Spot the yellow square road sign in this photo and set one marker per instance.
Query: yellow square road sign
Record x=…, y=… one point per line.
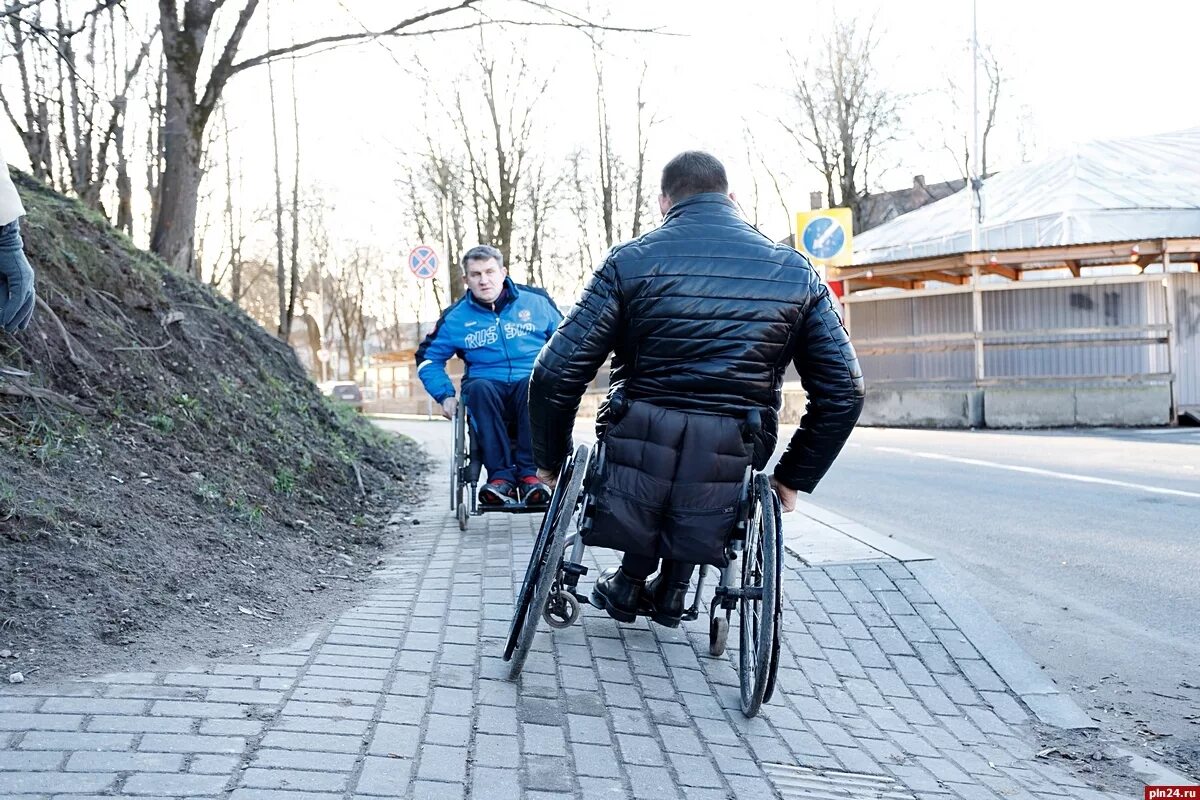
x=826, y=236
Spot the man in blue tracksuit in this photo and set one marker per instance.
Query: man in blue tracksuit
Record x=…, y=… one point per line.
x=497, y=328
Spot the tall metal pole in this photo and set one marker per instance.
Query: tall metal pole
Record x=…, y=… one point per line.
x=976, y=200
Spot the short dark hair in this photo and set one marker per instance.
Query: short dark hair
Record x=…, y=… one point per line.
x=482, y=252
x=693, y=172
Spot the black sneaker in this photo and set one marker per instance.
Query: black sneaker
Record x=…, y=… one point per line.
x=497, y=492
x=534, y=492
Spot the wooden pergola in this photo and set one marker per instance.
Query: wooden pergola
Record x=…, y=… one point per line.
x=959, y=268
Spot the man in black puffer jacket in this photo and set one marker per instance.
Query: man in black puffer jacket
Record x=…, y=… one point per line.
x=703, y=316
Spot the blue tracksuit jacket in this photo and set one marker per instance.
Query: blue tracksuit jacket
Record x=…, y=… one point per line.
x=498, y=343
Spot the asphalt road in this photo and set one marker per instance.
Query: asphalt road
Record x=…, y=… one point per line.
x=1084, y=545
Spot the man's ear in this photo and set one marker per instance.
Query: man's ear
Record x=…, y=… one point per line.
x=733, y=197
x=664, y=204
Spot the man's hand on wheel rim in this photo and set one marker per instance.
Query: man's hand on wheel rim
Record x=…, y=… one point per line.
x=787, y=497
x=449, y=406
x=547, y=477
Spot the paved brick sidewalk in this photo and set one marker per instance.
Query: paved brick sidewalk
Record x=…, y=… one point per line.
x=406, y=697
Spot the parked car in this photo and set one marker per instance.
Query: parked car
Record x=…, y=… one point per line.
x=344, y=391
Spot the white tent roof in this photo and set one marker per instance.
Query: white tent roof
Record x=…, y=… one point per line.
x=1112, y=191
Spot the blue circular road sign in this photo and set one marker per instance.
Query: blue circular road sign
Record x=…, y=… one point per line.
x=824, y=237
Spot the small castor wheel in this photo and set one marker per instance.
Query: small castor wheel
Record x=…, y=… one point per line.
x=562, y=609
x=718, y=633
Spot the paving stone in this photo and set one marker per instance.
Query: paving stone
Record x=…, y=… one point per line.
x=27, y=784
x=91, y=705
x=394, y=740
x=496, y=784
x=383, y=776
x=643, y=750
x=30, y=761
x=695, y=771
x=588, y=730
x=298, y=780
x=57, y=740
x=40, y=722
x=104, y=761
x=300, y=759
x=159, y=784
x=441, y=763
x=346, y=727
x=548, y=773
x=596, y=760
x=328, y=742
x=653, y=783
x=442, y=729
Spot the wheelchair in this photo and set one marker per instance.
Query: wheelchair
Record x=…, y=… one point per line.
x=751, y=584
x=466, y=464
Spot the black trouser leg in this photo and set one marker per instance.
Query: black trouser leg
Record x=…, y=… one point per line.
x=636, y=566
x=677, y=570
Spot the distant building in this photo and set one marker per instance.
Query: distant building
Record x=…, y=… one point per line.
x=877, y=209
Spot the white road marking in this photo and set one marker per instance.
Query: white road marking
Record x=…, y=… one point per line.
x=1069, y=476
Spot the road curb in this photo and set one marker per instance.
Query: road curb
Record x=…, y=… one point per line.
x=1006, y=657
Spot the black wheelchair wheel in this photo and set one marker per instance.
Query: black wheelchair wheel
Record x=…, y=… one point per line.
x=773, y=671
x=759, y=605
x=458, y=459
x=546, y=561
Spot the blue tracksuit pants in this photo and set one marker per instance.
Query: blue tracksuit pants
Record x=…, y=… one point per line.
x=492, y=404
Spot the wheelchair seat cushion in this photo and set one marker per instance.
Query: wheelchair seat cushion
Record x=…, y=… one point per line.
x=670, y=484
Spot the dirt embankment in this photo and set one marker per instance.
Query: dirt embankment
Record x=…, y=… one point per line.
x=172, y=485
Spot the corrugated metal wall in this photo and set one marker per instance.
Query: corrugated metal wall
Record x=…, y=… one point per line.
x=1018, y=311
x=1059, y=308
x=914, y=315
x=1185, y=290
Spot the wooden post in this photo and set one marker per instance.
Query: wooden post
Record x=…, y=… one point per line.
x=1172, y=340
x=977, y=322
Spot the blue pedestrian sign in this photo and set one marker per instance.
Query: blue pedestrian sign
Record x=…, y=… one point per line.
x=824, y=238
x=825, y=235
x=423, y=261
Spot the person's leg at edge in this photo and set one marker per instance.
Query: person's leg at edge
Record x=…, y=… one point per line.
x=619, y=591
x=533, y=491
x=486, y=401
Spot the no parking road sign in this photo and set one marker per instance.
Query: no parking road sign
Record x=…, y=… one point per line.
x=825, y=236
x=423, y=261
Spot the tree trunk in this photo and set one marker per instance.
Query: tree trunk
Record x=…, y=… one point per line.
x=174, y=234
x=294, y=287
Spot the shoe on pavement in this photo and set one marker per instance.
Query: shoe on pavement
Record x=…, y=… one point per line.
x=534, y=492
x=618, y=594
x=667, y=599
x=497, y=492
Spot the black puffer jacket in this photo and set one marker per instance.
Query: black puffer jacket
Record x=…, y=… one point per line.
x=704, y=314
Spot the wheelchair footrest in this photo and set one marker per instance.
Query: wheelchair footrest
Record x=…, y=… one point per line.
x=511, y=508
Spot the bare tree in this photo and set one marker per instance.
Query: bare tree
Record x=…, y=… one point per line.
x=497, y=150
x=294, y=276
x=541, y=196
x=283, y=327
x=644, y=126
x=347, y=299
x=754, y=154
x=959, y=131
x=75, y=76
x=188, y=108
x=844, y=115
